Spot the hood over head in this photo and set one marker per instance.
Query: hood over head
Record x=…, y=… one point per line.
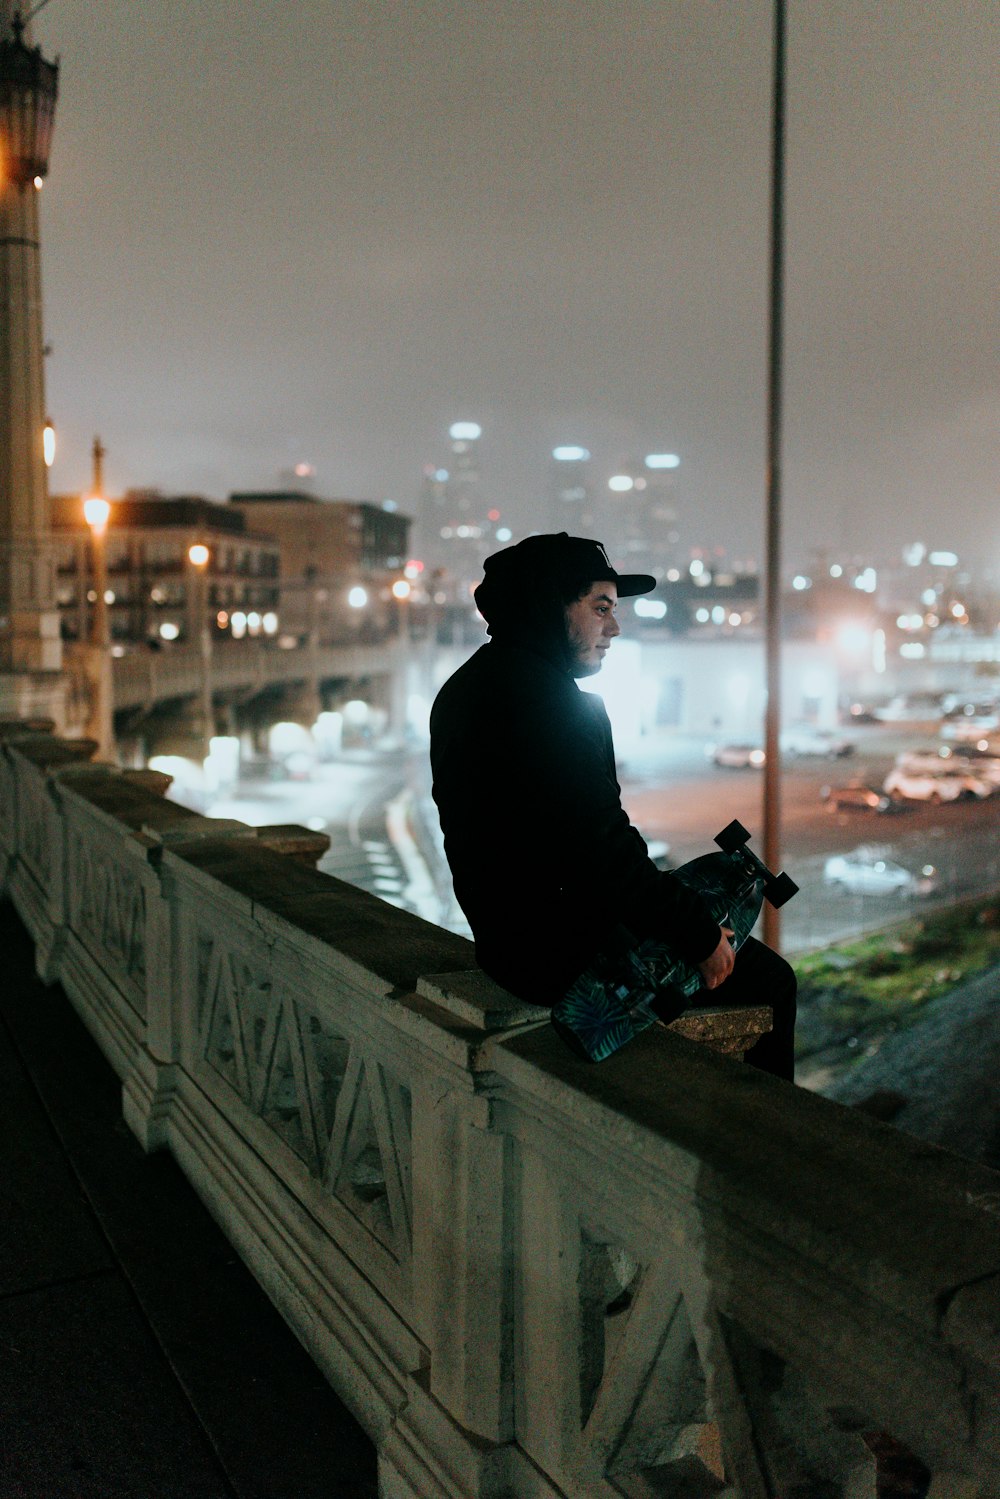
x=526, y=587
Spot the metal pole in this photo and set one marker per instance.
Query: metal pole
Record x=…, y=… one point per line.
x=101, y=725
x=101, y=636
x=205, y=641
x=772, y=719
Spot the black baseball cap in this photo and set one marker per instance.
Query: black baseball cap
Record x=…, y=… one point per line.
x=588, y=561
x=557, y=560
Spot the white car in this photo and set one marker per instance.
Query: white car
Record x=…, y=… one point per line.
x=807, y=739
x=737, y=756
x=939, y=786
x=979, y=761
x=964, y=759
x=867, y=872
x=972, y=726
x=910, y=708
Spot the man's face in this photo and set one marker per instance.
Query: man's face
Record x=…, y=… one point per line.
x=590, y=628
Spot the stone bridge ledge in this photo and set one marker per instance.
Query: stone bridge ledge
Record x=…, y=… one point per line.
x=525, y=1274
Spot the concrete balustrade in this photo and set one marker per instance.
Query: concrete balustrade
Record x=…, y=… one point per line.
x=528, y=1276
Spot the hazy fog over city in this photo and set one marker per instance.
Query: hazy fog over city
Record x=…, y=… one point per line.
x=319, y=234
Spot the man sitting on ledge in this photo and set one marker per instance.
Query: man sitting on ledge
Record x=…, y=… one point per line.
x=548, y=869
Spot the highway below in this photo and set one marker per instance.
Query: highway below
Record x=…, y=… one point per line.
x=376, y=808
x=674, y=794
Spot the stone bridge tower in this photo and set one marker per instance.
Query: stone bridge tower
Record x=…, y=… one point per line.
x=30, y=649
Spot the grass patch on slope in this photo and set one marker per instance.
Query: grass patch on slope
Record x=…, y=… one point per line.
x=883, y=981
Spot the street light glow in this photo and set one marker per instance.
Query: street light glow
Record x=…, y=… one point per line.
x=853, y=638
x=198, y=554
x=358, y=597
x=621, y=483
x=465, y=431
x=662, y=460
x=96, y=512
x=49, y=443
x=570, y=455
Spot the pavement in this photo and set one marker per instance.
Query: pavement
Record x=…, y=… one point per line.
x=138, y=1357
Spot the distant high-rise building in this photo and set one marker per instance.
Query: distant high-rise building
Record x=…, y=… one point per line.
x=571, y=496
x=643, y=511
x=458, y=527
x=464, y=494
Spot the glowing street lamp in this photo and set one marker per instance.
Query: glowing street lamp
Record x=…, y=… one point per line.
x=28, y=88
x=621, y=483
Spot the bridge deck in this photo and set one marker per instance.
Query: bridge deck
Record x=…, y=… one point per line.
x=137, y=1354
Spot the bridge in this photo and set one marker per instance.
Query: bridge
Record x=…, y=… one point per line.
x=526, y=1276
x=185, y=683
x=144, y=678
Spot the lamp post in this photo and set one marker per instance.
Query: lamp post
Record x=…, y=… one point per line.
x=402, y=592
x=199, y=556
x=97, y=513
x=776, y=306
x=30, y=647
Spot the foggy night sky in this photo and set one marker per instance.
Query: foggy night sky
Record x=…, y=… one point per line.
x=324, y=231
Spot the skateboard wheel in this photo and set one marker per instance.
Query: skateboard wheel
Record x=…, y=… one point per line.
x=779, y=889
x=732, y=837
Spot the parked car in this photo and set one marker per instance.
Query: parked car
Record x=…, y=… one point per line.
x=857, y=797
x=868, y=871
x=807, y=739
x=930, y=761
x=941, y=786
x=966, y=758
x=737, y=756
x=970, y=722
x=910, y=707
x=982, y=759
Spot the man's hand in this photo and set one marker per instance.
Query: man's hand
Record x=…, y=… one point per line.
x=718, y=965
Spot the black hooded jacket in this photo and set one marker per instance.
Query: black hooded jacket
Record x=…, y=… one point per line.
x=546, y=865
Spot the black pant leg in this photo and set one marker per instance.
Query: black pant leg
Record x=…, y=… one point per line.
x=761, y=976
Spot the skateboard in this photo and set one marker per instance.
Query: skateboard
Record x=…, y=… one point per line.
x=612, y=1001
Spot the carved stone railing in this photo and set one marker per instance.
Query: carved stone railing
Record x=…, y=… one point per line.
x=528, y=1276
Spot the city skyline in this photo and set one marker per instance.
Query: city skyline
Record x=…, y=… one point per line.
x=341, y=229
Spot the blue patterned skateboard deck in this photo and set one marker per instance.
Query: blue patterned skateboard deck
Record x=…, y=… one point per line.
x=613, y=1000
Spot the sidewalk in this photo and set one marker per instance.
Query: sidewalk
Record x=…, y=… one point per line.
x=138, y=1357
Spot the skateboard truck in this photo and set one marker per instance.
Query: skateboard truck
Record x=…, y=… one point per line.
x=778, y=888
